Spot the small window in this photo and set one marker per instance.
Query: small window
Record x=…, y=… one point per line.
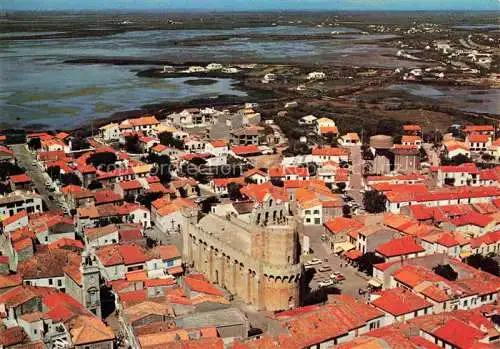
x=59, y=283
x=50, y=282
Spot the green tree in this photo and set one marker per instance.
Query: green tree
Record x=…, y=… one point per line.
x=147, y=198
x=167, y=139
x=487, y=157
x=457, y=160
x=233, y=190
x=70, y=178
x=206, y=205
x=367, y=261
x=35, y=143
x=340, y=187
x=79, y=143
x=103, y=160
x=132, y=144
x=54, y=172
x=485, y=263
x=374, y=201
x=445, y=271
x=95, y=185
x=7, y=169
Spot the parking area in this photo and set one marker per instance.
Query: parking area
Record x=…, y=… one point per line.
x=330, y=264
x=27, y=160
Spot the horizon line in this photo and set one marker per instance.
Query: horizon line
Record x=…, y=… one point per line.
x=202, y=10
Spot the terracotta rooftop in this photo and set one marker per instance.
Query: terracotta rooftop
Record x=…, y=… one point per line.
x=329, y=151
x=398, y=301
x=398, y=247
x=201, y=285
x=20, y=179
x=48, y=264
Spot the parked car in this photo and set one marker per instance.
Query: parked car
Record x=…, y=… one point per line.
x=337, y=276
x=314, y=261
x=324, y=268
x=326, y=283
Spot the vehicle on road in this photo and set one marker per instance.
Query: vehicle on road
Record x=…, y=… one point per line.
x=325, y=268
x=314, y=261
x=337, y=276
x=326, y=283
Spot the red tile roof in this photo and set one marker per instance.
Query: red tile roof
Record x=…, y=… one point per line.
x=472, y=218
x=22, y=244
x=487, y=239
x=328, y=129
x=121, y=254
x=166, y=252
x=479, y=128
x=398, y=301
x=224, y=182
x=353, y=254
x=399, y=247
x=464, y=168
x=144, y=121
x=218, y=143
x=130, y=235
x=62, y=135
x=259, y=192
x=245, y=149
x=159, y=283
x=478, y=138
x=133, y=296
x=342, y=225
x=329, y=151
x=12, y=336
x=412, y=128
x=66, y=242
x=131, y=185
x=410, y=139
x=288, y=171
x=19, y=179
x=14, y=218
x=105, y=196
x=201, y=285
x=459, y=334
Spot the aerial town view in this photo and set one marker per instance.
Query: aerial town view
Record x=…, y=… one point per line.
x=235, y=174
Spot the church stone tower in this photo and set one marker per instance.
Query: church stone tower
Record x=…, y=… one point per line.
x=90, y=285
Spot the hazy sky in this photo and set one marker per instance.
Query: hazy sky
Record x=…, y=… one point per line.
x=252, y=4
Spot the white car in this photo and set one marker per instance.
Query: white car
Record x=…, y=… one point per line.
x=325, y=268
x=312, y=262
x=326, y=283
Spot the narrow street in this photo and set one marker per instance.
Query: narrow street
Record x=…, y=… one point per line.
x=432, y=154
x=25, y=159
x=354, y=280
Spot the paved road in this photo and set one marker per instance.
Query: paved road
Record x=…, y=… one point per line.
x=164, y=238
x=25, y=158
x=356, y=180
x=433, y=156
x=354, y=280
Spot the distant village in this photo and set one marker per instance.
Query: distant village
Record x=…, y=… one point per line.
x=204, y=228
